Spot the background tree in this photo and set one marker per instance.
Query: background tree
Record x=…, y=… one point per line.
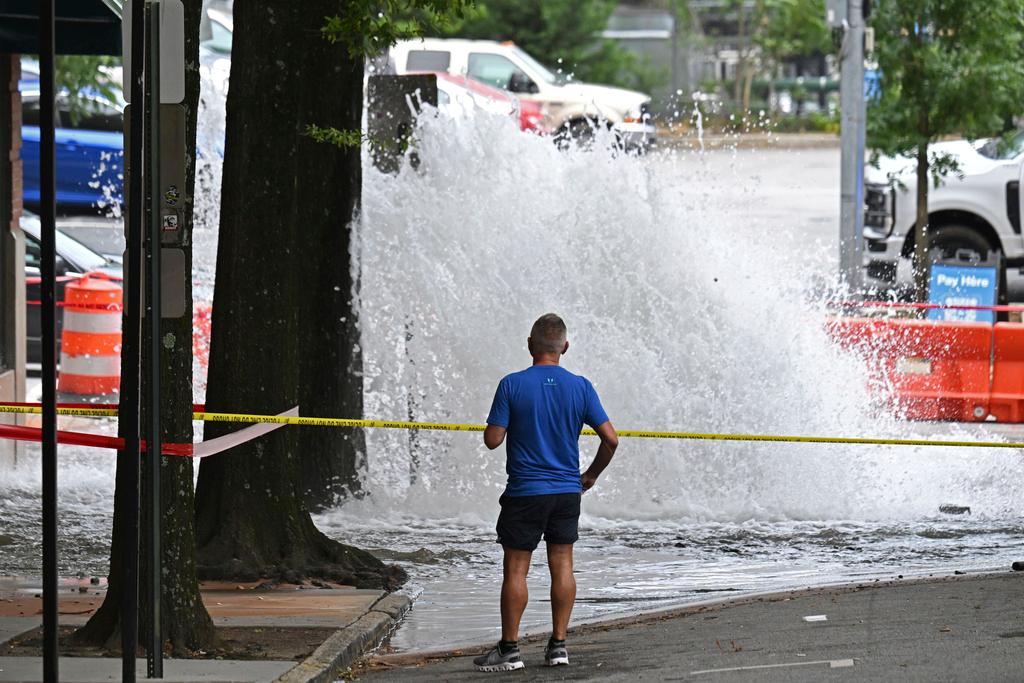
x=185, y=622
x=565, y=35
x=793, y=30
x=771, y=32
x=946, y=68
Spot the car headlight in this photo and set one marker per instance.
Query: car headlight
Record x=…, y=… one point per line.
x=879, y=210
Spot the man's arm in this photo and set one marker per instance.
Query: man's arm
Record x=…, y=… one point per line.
x=609, y=442
x=493, y=436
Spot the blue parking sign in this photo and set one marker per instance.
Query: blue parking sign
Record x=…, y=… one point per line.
x=962, y=286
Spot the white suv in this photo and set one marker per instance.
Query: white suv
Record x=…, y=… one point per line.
x=568, y=107
x=977, y=208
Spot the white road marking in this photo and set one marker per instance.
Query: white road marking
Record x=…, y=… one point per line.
x=832, y=664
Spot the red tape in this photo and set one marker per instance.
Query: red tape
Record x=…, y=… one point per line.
x=196, y=407
x=19, y=433
x=202, y=449
x=907, y=304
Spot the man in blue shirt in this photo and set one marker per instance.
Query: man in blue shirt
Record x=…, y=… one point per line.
x=542, y=410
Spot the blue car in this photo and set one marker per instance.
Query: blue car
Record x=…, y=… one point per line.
x=89, y=150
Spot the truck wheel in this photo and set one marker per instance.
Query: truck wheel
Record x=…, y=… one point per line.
x=578, y=132
x=952, y=238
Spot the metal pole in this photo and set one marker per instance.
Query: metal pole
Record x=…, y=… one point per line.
x=131, y=350
x=154, y=650
x=851, y=97
x=48, y=287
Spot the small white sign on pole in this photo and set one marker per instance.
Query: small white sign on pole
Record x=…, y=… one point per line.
x=172, y=49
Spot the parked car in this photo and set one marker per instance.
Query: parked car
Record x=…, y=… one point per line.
x=977, y=208
x=572, y=108
x=72, y=258
x=89, y=149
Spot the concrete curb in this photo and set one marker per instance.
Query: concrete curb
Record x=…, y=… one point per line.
x=345, y=646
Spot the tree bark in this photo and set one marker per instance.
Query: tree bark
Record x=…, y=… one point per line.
x=326, y=203
x=283, y=229
x=921, y=238
x=186, y=625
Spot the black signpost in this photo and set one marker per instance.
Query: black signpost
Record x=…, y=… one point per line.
x=154, y=649
x=47, y=215
x=131, y=349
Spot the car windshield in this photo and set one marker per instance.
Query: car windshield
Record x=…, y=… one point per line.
x=221, y=40
x=542, y=71
x=1008, y=146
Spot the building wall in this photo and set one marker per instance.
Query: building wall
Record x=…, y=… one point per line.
x=12, y=250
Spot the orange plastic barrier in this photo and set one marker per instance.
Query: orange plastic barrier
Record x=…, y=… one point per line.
x=1007, y=403
x=90, y=354
x=926, y=370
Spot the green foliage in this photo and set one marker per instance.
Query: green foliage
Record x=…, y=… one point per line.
x=946, y=68
x=78, y=74
x=333, y=136
x=368, y=27
x=792, y=28
x=565, y=35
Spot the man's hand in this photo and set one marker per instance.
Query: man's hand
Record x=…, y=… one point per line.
x=609, y=442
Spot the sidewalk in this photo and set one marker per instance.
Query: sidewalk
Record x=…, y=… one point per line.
x=336, y=625
x=953, y=629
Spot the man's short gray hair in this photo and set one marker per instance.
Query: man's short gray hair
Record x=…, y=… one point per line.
x=548, y=334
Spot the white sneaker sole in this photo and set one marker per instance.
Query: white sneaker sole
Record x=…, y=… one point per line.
x=556, y=661
x=506, y=666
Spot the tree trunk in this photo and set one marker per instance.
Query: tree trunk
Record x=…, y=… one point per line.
x=741, y=52
x=748, y=81
x=185, y=621
x=280, y=219
x=921, y=237
x=326, y=203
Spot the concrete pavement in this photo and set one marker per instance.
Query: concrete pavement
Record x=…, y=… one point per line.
x=954, y=629
x=96, y=669
x=356, y=620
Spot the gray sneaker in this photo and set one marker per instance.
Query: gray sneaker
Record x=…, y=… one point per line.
x=493, y=661
x=555, y=655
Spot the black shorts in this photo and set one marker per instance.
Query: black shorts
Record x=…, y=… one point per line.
x=524, y=518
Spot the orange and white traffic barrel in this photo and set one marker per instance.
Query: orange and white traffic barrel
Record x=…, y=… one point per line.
x=90, y=344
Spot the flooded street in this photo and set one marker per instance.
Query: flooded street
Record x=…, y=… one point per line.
x=627, y=568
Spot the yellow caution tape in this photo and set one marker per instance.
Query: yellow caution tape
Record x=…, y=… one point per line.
x=78, y=412
x=455, y=427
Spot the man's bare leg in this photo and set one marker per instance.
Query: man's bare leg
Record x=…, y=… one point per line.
x=563, y=588
x=514, y=593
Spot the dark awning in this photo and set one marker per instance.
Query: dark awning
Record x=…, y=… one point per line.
x=84, y=27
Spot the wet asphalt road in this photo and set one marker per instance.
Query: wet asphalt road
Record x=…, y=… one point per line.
x=954, y=629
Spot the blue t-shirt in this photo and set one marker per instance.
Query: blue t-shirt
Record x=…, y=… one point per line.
x=544, y=407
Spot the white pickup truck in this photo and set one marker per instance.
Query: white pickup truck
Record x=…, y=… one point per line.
x=977, y=208
x=568, y=107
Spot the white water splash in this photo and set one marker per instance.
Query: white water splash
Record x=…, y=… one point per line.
x=685, y=316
